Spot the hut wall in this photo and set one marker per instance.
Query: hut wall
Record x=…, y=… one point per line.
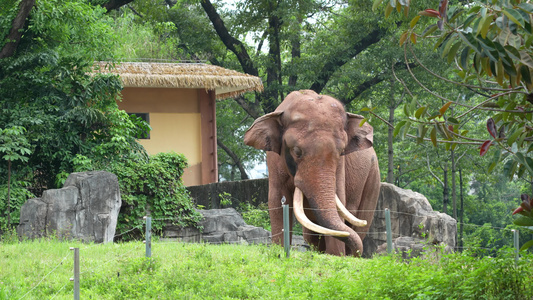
x=178, y=118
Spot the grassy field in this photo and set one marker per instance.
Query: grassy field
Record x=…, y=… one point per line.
x=42, y=269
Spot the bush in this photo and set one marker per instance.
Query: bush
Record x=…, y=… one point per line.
x=149, y=186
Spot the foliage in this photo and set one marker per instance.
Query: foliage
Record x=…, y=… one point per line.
x=13, y=148
x=69, y=115
x=47, y=88
x=149, y=40
x=255, y=216
x=149, y=186
x=200, y=271
x=489, y=45
x=232, y=123
x=525, y=220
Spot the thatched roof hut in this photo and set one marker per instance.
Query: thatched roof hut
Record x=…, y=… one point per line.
x=178, y=100
x=226, y=83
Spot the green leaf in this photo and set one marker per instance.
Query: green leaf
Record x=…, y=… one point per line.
x=414, y=21
x=514, y=16
x=398, y=127
x=419, y=112
x=421, y=133
x=471, y=41
x=527, y=7
x=526, y=74
x=484, y=25
x=523, y=221
x=495, y=160
x=512, y=138
x=509, y=168
x=526, y=59
x=453, y=51
x=448, y=45
x=453, y=121
x=406, y=128
x=527, y=245
x=376, y=4
x=433, y=136
x=429, y=30
x=464, y=58
x=388, y=10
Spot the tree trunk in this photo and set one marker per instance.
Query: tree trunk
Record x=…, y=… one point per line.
x=295, y=52
x=17, y=27
x=390, y=136
x=461, y=215
x=9, y=192
x=235, y=159
x=231, y=43
x=273, y=67
x=445, y=193
x=454, y=194
x=115, y=4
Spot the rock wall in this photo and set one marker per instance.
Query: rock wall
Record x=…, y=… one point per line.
x=414, y=223
x=86, y=209
x=219, y=226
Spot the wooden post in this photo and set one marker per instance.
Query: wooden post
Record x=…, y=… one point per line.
x=148, y=236
x=389, y=230
x=286, y=230
x=76, y=277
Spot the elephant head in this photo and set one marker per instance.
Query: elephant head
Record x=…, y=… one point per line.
x=311, y=134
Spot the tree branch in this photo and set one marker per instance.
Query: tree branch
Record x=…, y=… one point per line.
x=431, y=172
x=13, y=38
x=235, y=159
x=337, y=61
x=369, y=83
x=115, y=4
x=233, y=44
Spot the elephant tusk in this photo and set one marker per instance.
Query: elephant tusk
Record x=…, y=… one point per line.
x=347, y=215
x=302, y=218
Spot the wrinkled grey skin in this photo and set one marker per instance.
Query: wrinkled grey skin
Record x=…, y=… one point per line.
x=313, y=144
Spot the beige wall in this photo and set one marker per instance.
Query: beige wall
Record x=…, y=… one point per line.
x=176, y=123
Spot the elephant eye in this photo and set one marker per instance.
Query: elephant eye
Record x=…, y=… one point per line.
x=297, y=152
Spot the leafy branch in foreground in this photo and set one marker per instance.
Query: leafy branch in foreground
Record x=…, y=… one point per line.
x=488, y=45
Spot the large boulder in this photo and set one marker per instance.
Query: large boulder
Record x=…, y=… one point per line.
x=219, y=226
x=86, y=209
x=414, y=223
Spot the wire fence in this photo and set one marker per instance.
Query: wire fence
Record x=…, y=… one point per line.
x=87, y=268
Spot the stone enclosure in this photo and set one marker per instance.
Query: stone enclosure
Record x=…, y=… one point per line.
x=87, y=207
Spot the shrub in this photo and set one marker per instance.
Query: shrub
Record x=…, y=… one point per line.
x=149, y=186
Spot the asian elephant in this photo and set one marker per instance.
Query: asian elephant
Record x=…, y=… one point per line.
x=319, y=157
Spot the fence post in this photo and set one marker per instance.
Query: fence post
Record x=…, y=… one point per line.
x=76, y=277
x=148, y=235
x=516, y=243
x=286, y=230
x=389, y=230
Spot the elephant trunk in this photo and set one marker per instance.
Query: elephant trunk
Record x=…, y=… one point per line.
x=325, y=205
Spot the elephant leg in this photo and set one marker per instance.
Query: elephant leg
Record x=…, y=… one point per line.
x=279, y=185
x=314, y=240
x=334, y=246
x=369, y=199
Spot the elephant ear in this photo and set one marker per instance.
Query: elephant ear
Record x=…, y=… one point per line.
x=359, y=137
x=265, y=133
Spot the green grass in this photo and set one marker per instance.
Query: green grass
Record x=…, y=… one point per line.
x=41, y=270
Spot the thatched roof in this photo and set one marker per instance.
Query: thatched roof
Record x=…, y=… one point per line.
x=226, y=83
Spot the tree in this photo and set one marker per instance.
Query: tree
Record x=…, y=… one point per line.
x=46, y=87
x=489, y=43
x=14, y=147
